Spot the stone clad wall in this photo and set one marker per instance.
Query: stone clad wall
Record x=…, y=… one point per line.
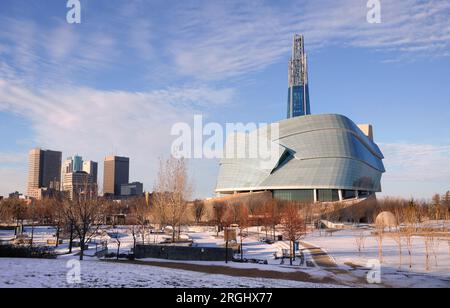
x=182, y=253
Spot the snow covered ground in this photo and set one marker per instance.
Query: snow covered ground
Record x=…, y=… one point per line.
x=343, y=248
x=15, y=273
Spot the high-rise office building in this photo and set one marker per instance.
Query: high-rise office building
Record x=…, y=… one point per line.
x=132, y=189
x=44, y=171
x=67, y=166
x=78, y=177
x=91, y=167
x=73, y=164
x=116, y=173
x=78, y=184
x=298, y=96
x=77, y=163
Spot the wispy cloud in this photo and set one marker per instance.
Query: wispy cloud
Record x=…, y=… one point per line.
x=219, y=40
x=52, y=73
x=12, y=158
x=98, y=123
x=216, y=40
x=12, y=179
x=409, y=162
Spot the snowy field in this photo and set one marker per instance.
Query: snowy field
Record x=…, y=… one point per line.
x=351, y=269
x=24, y=273
x=343, y=248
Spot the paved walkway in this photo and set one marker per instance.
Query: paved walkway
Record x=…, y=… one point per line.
x=320, y=257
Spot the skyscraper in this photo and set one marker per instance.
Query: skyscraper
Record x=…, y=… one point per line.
x=116, y=173
x=44, y=171
x=79, y=177
x=91, y=168
x=79, y=183
x=298, y=95
x=77, y=163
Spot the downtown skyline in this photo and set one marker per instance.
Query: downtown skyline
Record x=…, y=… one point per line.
x=74, y=88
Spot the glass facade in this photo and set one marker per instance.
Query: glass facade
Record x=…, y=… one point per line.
x=348, y=194
x=298, y=101
x=327, y=152
x=302, y=195
x=327, y=195
x=77, y=163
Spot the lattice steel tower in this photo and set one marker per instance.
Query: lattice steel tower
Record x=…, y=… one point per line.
x=298, y=96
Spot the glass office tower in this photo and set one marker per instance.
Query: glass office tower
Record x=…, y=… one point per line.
x=77, y=163
x=298, y=95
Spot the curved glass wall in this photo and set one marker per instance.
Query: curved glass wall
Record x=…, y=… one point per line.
x=327, y=152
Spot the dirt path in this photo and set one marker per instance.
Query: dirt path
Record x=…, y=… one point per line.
x=237, y=272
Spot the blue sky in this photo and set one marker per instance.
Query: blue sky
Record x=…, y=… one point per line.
x=118, y=81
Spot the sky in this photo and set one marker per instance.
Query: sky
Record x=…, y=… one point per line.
x=117, y=82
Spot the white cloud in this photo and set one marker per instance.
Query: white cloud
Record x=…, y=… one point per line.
x=12, y=179
x=219, y=40
x=12, y=158
x=214, y=40
x=43, y=55
x=416, y=169
x=97, y=123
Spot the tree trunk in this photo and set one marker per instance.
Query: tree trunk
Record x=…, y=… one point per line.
x=293, y=251
x=57, y=236
x=71, y=238
x=32, y=234
x=82, y=249
x=291, y=243
x=226, y=252
x=242, y=248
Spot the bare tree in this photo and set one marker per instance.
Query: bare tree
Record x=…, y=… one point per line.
x=360, y=239
x=4, y=211
x=19, y=213
x=446, y=201
x=55, y=215
x=83, y=215
x=199, y=210
x=172, y=190
x=408, y=230
x=436, y=207
x=243, y=224
x=219, y=209
x=140, y=213
x=293, y=226
x=116, y=235
x=379, y=237
x=398, y=235
x=271, y=217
